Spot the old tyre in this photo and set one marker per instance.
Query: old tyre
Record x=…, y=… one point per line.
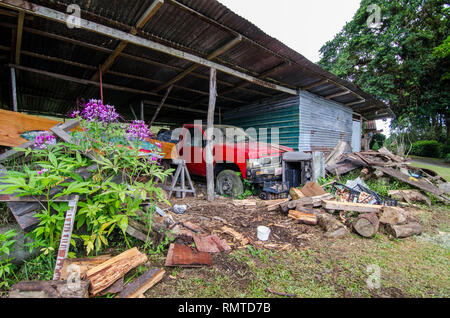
x=229, y=183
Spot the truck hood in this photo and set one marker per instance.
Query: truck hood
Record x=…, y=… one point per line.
x=256, y=150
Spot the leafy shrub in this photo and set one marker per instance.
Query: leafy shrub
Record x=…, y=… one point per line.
x=377, y=141
x=6, y=246
x=447, y=158
x=427, y=148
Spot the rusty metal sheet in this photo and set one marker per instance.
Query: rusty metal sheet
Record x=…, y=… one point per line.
x=184, y=256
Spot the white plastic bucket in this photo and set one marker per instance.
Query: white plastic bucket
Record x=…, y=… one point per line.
x=263, y=233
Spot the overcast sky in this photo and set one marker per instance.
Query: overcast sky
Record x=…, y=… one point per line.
x=303, y=25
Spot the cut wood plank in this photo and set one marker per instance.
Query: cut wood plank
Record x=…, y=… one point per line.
x=306, y=201
x=81, y=265
x=244, y=203
x=296, y=193
x=366, y=225
x=50, y=289
x=105, y=274
x=306, y=218
x=406, y=230
x=143, y=283
x=184, y=256
x=409, y=196
x=349, y=206
x=274, y=205
x=115, y=288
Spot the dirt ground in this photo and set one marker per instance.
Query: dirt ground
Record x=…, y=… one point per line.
x=298, y=259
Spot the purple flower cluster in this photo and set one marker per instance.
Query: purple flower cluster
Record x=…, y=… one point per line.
x=95, y=110
x=138, y=130
x=44, y=139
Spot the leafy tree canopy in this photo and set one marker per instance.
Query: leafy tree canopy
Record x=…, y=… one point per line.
x=405, y=62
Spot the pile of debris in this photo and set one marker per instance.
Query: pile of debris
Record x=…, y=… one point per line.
x=377, y=164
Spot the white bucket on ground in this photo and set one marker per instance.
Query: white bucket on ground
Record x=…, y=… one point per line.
x=263, y=233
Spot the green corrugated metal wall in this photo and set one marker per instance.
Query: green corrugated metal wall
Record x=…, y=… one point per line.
x=282, y=114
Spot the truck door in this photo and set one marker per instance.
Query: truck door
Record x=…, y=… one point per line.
x=195, y=161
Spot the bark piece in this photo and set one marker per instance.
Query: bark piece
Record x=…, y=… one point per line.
x=115, y=288
x=143, y=283
x=182, y=255
x=302, y=217
x=210, y=244
x=366, y=224
x=392, y=215
x=406, y=230
x=49, y=289
x=105, y=274
x=354, y=207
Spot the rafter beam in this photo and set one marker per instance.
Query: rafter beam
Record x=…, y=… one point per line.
x=60, y=17
x=151, y=10
x=355, y=103
x=20, y=20
x=338, y=94
x=145, y=60
x=192, y=68
x=316, y=84
x=140, y=78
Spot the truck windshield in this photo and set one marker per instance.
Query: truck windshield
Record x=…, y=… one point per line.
x=232, y=134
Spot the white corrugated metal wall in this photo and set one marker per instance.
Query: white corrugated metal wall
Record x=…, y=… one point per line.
x=323, y=123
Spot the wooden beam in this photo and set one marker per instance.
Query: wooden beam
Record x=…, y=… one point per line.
x=209, y=137
x=151, y=10
x=159, y=106
x=338, y=94
x=60, y=17
x=319, y=83
x=19, y=34
x=192, y=68
x=187, y=109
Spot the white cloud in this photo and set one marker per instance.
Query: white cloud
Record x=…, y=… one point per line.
x=303, y=25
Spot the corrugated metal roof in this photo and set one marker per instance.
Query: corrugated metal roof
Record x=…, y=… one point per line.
x=200, y=32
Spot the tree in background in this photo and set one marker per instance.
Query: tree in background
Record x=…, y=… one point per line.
x=404, y=62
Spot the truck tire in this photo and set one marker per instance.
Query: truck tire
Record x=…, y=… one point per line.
x=229, y=183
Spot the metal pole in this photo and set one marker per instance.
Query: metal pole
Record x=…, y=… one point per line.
x=142, y=110
x=14, y=89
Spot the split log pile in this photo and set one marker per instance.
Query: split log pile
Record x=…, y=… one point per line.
x=90, y=277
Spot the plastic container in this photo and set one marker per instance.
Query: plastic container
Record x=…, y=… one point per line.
x=263, y=233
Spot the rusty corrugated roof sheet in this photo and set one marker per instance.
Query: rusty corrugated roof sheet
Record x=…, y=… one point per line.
x=48, y=45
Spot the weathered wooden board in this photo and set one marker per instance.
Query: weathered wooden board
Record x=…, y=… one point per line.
x=13, y=124
x=349, y=206
x=143, y=283
x=50, y=289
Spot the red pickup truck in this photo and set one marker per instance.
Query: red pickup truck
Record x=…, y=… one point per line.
x=237, y=156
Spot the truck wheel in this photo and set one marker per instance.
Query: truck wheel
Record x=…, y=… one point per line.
x=229, y=183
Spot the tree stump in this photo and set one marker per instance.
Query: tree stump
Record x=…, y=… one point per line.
x=366, y=224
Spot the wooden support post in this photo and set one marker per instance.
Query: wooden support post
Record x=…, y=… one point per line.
x=14, y=89
x=160, y=106
x=134, y=114
x=210, y=127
